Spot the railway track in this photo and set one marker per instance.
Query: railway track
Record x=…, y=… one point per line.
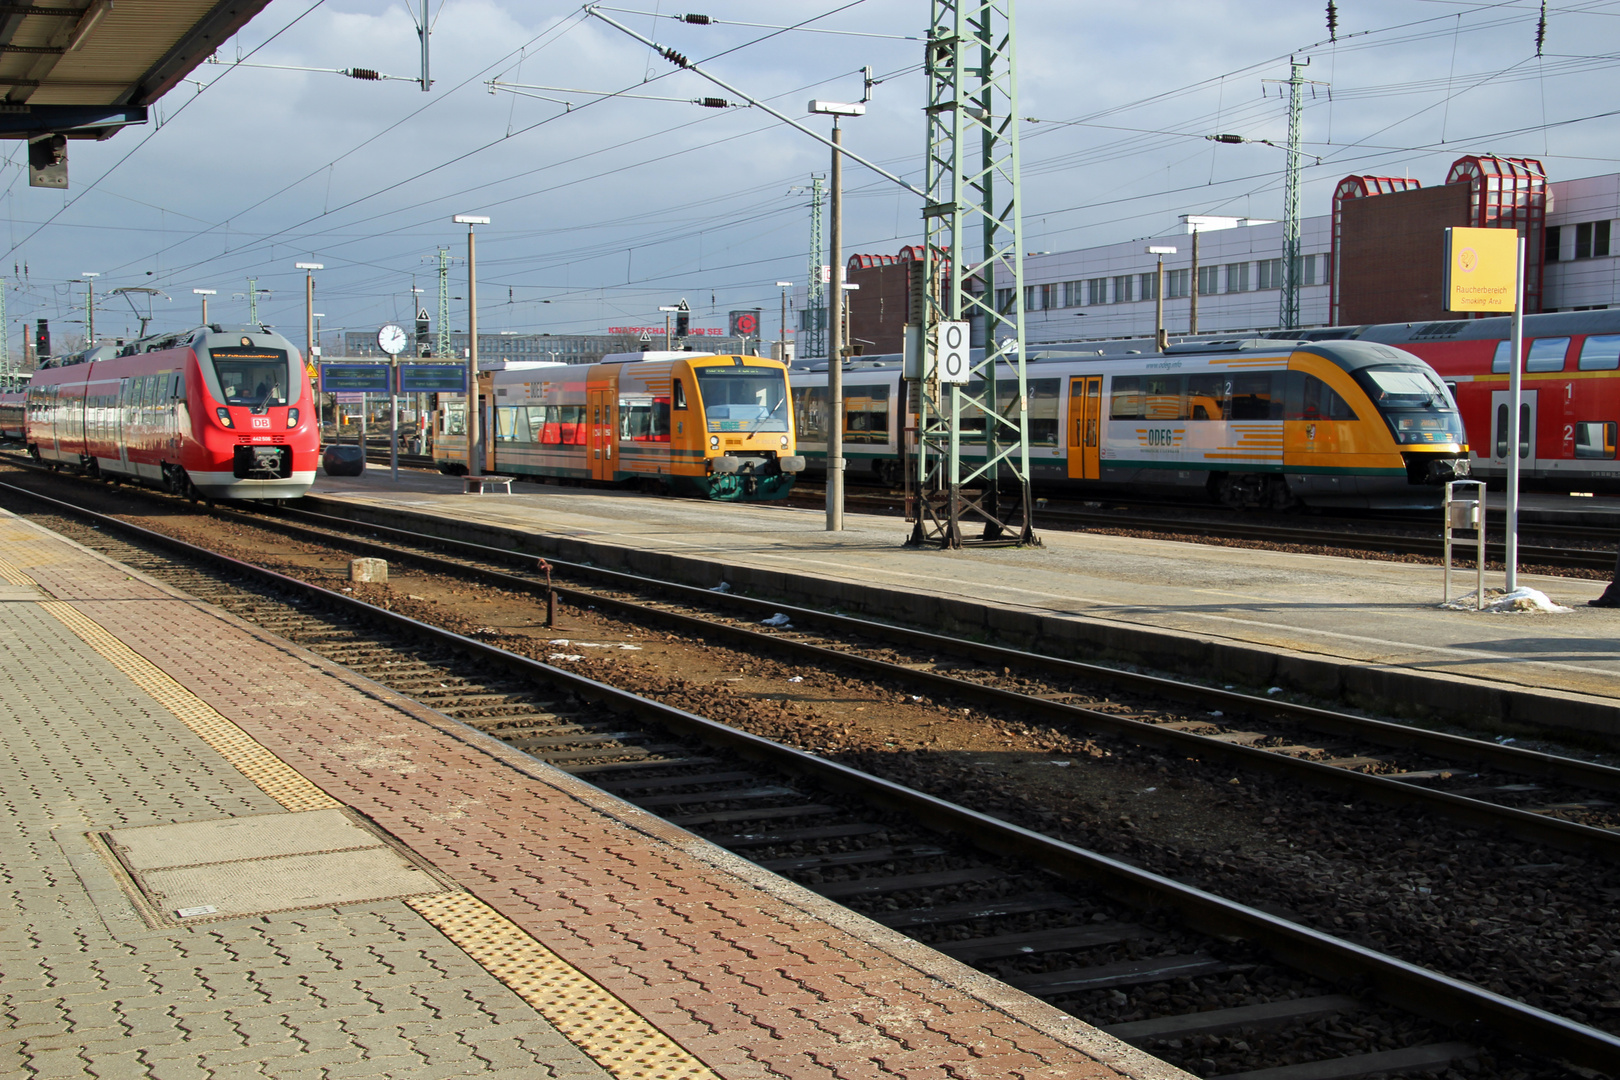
x=1217, y=986
x=1376, y=535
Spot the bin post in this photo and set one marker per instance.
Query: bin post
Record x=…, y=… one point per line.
x=1463, y=513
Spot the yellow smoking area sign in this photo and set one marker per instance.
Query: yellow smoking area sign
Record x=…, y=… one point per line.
x=1482, y=269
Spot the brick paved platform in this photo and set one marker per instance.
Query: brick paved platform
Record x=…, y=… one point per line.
x=555, y=932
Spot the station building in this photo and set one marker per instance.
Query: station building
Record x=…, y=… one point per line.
x=1378, y=256
x=558, y=348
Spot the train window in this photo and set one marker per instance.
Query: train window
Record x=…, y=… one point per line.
x=1043, y=411
x=810, y=413
x=1499, y=360
x=1129, y=403
x=455, y=418
x=1595, y=439
x=1547, y=354
x=573, y=425
x=1600, y=352
x=1256, y=396
x=679, y=395
x=866, y=414
x=1164, y=397
x=1501, y=431
x=1309, y=398
x=1206, y=396
x=511, y=424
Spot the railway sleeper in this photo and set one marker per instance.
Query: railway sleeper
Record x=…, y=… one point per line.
x=1271, y=1015
x=1431, y=1057
x=1000, y=946
x=1113, y=976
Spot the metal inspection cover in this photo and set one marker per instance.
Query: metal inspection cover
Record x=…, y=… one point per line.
x=204, y=871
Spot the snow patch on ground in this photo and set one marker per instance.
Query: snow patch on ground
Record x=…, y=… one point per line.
x=1499, y=602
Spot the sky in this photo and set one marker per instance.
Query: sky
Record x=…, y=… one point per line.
x=617, y=194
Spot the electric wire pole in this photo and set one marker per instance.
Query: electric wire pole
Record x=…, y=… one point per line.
x=441, y=346
x=972, y=180
x=1288, y=314
x=815, y=302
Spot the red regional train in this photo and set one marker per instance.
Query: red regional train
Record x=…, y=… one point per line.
x=210, y=413
x=1571, y=389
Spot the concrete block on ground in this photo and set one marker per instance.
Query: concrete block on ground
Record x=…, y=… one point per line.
x=372, y=571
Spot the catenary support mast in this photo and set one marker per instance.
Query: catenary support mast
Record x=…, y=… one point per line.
x=973, y=272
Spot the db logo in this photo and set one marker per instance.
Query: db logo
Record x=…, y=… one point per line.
x=261, y=421
x=746, y=324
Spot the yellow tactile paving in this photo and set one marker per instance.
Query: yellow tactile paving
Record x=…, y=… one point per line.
x=603, y=1027
x=607, y=1029
x=277, y=779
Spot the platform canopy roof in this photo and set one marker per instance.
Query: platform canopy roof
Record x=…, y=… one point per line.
x=85, y=68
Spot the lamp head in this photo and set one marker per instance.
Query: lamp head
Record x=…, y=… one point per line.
x=470, y=219
x=836, y=108
x=309, y=266
x=1160, y=249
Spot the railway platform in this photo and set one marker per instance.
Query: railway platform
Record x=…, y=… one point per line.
x=225, y=856
x=1366, y=629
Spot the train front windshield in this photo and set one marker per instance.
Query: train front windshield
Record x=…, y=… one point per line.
x=252, y=377
x=1414, y=403
x=746, y=399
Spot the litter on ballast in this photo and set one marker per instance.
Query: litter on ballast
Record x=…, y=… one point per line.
x=1498, y=602
x=778, y=619
x=565, y=656
x=722, y=587
x=797, y=678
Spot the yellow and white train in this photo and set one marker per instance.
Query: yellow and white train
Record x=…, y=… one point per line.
x=717, y=427
x=1247, y=423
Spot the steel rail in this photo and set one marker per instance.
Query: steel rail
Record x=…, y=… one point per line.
x=1327, y=721
x=1439, y=997
x=1526, y=825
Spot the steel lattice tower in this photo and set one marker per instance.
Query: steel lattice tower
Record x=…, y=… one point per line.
x=973, y=194
x=441, y=348
x=815, y=299
x=1289, y=313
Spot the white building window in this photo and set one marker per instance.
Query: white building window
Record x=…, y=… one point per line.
x=1209, y=280
x=1123, y=291
x=1177, y=284
x=1237, y=277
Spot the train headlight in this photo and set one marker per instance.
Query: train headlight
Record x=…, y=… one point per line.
x=224, y=415
x=784, y=442
x=714, y=442
x=292, y=418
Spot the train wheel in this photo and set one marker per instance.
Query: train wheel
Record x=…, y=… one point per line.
x=1278, y=494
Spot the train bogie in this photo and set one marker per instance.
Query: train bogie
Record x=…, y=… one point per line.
x=215, y=414
x=715, y=427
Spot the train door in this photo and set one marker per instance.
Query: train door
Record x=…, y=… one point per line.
x=1085, y=423
x=124, y=422
x=604, y=433
x=1500, y=405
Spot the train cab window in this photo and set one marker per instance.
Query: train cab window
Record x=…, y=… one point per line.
x=1547, y=354
x=1595, y=440
x=1128, y=401
x=1206, y=396
x=679, y=395
x=455, y=418
x=1309, y=398
x=1600, y=352
x=1256, y=395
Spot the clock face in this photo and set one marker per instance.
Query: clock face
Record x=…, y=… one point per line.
x=391, y=339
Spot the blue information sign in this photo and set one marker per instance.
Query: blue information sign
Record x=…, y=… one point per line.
x=433, y=378
x=354, y=378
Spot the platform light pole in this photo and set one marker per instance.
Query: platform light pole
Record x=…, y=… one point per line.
x=668, y=310
x=309, y=269
x=205, y=294
x=474, y=465
x=781, y=332
x=835, y=313
x=1510, y=538
x=1160, y=339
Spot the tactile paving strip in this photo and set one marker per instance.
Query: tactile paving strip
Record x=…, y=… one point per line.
x=277, y=779
x=601, y=1025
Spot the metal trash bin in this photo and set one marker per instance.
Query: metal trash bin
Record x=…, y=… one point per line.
x=1464, y=514
x=343, y=460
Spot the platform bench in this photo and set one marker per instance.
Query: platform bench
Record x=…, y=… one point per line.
x=484, y=485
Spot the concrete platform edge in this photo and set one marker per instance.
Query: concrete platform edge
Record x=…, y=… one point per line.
x=1015, y=1004
x=1382, y=688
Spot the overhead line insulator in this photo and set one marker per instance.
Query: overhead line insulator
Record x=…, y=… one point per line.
x=714, y=103
x=363, y=73
x=676, y=58
x=696, y=20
